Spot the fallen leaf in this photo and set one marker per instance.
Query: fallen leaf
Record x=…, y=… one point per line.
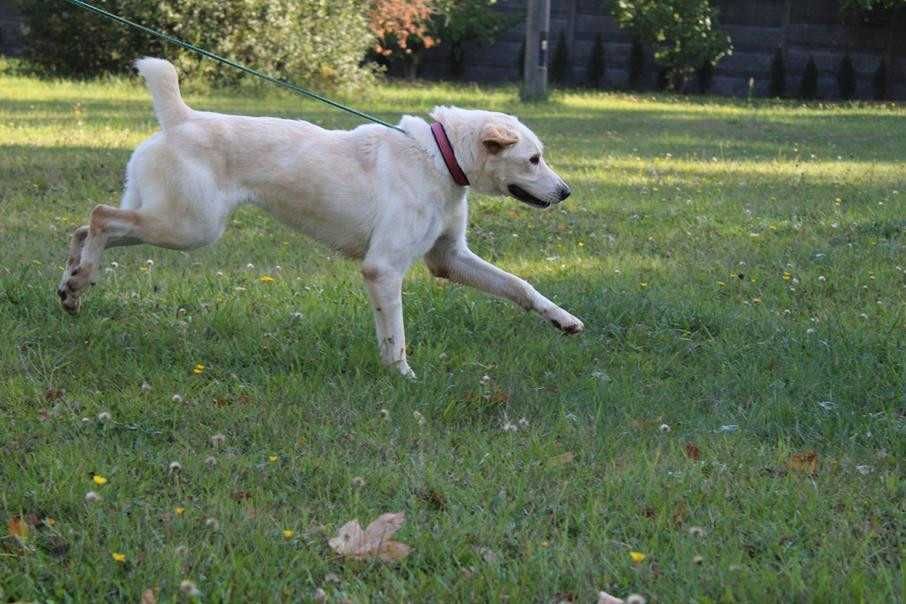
x=374, y=542
x=692, y=451
x=805, y=462
x=148, y=597
x=241, y=495
x=561, y=460
x=53, y=394
x=18, y=528
x=606, y=598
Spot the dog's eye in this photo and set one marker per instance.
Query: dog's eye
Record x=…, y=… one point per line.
x=535, y=159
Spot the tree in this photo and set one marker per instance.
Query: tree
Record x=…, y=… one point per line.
x=320, y=43
x=879, y=82
x=597, y=63
x=682, y=33
x=846, y=78
x=890, y=10
x=457, y=22
x=808, y=87
x=402, y=30
x=778, y=74
x=636, y=64
x=560, y=65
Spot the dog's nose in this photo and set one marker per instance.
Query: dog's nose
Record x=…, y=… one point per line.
x=564, y=192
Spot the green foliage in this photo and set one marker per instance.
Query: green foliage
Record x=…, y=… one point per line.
x=316, y=42
x=636, y=64
x=705, y=75
x=867, y=5
x=778, y=74
x=596, y=74
x=683, y=33
x=808, y=86
x=459, y=21
x=846, y=78
x=879, y=81
x=520, y=61
x=560, y=63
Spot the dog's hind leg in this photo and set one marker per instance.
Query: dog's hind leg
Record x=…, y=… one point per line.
x=112, y=227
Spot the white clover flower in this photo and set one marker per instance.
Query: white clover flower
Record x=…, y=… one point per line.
x=189, y=588
x=104, y=416
x=92, y=497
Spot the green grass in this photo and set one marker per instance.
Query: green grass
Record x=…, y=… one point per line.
x=736, y=266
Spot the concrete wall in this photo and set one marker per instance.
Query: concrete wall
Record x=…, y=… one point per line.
x=811, y=28
x=804, y=27
x=10, y=29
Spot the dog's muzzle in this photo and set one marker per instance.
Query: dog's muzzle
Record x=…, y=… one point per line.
x=526, y=197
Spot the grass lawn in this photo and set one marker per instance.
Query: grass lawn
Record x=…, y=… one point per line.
x=734, y=412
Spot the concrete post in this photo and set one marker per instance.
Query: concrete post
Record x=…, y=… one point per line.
x=537, y=25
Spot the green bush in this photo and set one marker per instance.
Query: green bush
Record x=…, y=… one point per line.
x=846, y=78
x=597, y=64
x=879, y=81
x=705, y=75
x=320, y=43
x=808, y=87
x=560, y=63
x=778, y=74
x=684, y=34
x=636, y=64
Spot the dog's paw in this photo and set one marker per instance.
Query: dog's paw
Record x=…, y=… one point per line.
x=68, y=299
x=406, y=371
x=564, y=321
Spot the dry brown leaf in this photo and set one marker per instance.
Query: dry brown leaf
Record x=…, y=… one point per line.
x=805, y=462
x=561, y=460
x=606, y=598
x=18, y=528
x=692, y=451
x=374, y=542
x=148, y=597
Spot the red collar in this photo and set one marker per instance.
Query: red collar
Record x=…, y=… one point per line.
x=446, y=151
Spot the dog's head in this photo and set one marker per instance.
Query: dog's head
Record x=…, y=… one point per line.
x=501, y=156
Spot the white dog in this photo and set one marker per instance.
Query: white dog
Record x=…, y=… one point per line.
x=373, y=193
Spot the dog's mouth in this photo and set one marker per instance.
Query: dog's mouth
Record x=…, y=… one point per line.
x=526, y=197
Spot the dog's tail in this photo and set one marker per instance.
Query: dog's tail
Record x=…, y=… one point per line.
x=162, y=81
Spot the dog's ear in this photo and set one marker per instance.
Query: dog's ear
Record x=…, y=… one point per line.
x=497, y=137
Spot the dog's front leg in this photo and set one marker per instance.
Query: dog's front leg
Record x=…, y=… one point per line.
x=385, y=285
x=461, y=265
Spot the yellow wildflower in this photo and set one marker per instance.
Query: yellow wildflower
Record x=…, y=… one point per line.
x=198, y=369
x=266, y=279
x=272, y=458
x=99, y=480
x=288, y=534
x=637, y=557
x=118, y=557
x=179, y=510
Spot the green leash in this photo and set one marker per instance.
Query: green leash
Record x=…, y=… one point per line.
x=206, y=53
